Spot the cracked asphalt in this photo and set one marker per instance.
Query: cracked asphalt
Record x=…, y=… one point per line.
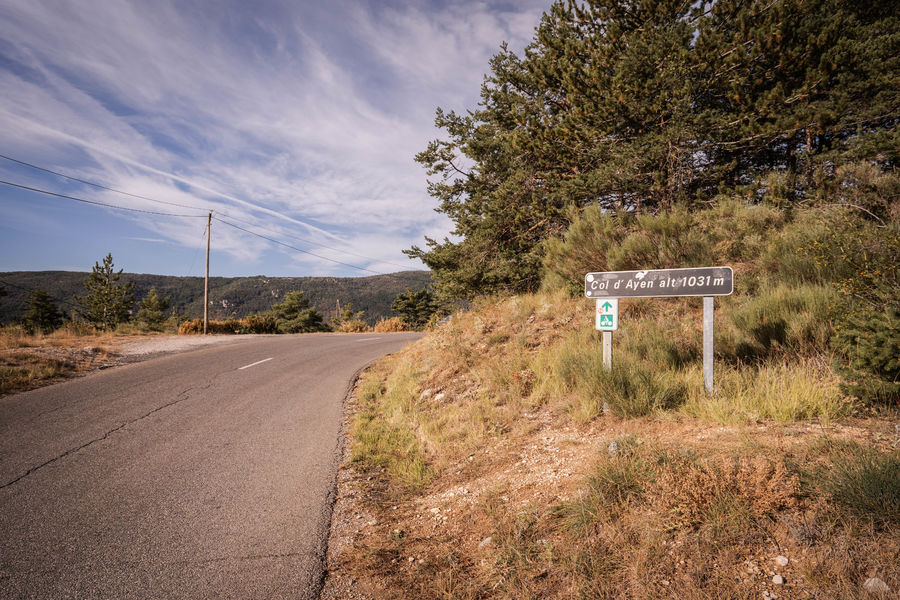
x=183, y=476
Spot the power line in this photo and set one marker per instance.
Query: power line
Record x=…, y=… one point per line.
x=286, y=245
x=138, y=210
x=97, y=185
x=306, y=241
x=103, y=187
x=300, y=239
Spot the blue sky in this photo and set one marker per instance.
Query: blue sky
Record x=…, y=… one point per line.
x=296, y=119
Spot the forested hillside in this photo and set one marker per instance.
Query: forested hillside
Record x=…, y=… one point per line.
x=229, y=296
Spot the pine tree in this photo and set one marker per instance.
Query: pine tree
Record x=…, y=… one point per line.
x=645, y=105
x=294, y=315
x=41, y=314
x=107, y=302
x=415, y=308
x=152, y=309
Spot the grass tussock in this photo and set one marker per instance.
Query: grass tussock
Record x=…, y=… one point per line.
x=863, y=481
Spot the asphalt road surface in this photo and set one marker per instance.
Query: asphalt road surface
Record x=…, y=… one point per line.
x=207, y=474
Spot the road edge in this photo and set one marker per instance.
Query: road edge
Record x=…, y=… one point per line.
x=334, y=584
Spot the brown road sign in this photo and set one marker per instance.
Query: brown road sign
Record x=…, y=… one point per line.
x=702, y=281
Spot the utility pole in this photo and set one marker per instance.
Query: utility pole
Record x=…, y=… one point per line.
x=206, y=280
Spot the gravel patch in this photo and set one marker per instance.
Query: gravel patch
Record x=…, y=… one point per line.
x=145, y=347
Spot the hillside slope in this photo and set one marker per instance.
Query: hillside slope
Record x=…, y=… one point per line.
x=229, y=296
x=483, y=465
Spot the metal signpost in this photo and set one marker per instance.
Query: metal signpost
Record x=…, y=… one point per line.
x=606, y=320
x=707, y=282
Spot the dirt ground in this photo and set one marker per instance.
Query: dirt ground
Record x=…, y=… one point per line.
x=377, y=541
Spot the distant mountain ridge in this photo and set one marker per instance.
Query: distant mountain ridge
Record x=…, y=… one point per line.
x=228, y=296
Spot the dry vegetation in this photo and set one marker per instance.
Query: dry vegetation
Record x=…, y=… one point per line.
x=28, y=361
x=483, y=465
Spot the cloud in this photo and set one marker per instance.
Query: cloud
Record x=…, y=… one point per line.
x=298, y=118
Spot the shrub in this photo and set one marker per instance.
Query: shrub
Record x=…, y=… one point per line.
x=634, y=389
x=869, y=341
x=256, y=323
x=598, y=240
x=191, y=327
x=195, y=326
x=783, y=318
x=348, y=321
x=352, y=326
x=391, y=325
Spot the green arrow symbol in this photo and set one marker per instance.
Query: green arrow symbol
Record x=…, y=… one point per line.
x=606, y=306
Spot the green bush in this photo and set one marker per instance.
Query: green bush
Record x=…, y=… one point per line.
x=784, y=318
x=869, y=343
x=731, y=231
x=599, y=240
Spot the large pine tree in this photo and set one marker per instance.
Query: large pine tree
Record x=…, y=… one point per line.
x=648, y=104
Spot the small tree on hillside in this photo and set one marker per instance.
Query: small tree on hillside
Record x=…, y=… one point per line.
x=348, y=321
x=152, y=309
x=294, y=315
x=415, y=307
x=41, y=314
x=107, y=302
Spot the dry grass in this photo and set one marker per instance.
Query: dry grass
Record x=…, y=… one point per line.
x=484, y=456
x=30, y=361
x=20, y=371
x=392, y=325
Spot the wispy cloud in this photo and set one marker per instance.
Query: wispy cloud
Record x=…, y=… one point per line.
x=300, y=118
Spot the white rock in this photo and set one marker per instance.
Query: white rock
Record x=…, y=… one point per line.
x=486, y=542
x=778, y=580
x=876, y=586
x=781, y=561
x=613, y=448
x=440, y=397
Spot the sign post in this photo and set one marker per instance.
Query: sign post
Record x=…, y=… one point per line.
x=708, y=324
x=707, y=282
x=606, y=321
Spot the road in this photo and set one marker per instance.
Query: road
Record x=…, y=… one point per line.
x=207, y=474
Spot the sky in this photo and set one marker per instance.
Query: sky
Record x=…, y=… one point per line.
x=297, y=120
